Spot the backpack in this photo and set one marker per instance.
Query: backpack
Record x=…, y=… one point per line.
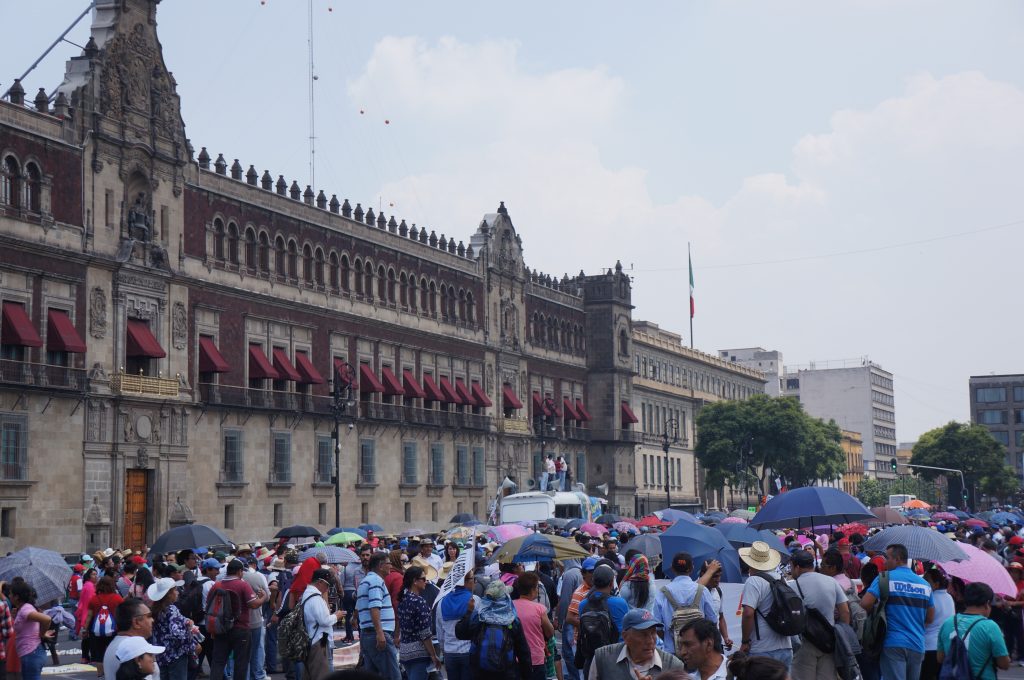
x=220, y=611
x=74, y=588
x=818, y=631
x=876, y=624
x=494, y=647
x=957, y=664
x=787, y=615
x=103, y=624
x=596, y=630
x=683, y=614
x=857, y=615
x=292, y=639
x=190, y=604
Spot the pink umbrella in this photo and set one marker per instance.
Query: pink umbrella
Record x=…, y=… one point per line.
x=975, y=522
x=734, y=520
x=980, y=567
x=594, y=529
x=945, y=516
x=506, y=532
x=623, y=527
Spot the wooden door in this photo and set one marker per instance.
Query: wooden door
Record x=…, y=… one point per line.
x=136, y=513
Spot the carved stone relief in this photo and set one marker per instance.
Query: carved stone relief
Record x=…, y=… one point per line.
x=142, y=457
x=98, y=313
x=179, y=326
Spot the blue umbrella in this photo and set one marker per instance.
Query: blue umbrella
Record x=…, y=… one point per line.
x=702, y=543
x=921, y=543
x=960, y=514
x=574, y=524
x=673, y=515
x=351, y=530
x=335, y=554
x=1006, y=518
x=809, y=506
x=919, y=514
x=375, y=528
x=742, y=536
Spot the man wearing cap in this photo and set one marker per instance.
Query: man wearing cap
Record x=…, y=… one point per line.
x=319, y=623
x=378, y=636
x=600, y=597
x=683, y=590
x=637, y=656
x=823, y=593
x=760, y=639
x=133, y=620
x=236, y=640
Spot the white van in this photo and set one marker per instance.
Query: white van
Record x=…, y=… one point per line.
x=537, y=506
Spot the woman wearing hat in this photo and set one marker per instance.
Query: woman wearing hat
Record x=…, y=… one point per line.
x=171, y=631
x=137, y=659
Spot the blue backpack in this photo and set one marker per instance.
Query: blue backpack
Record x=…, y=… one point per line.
x=494, y=646
x=957, y=664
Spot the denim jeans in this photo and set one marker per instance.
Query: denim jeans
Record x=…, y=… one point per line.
x=457, y=666
x=348, y=603
x=900, y=663
x=544, y=481
x=176, y=670
x=783, y=655
x=32, y=664
x=271, y=648
x=417, y=670
x=382, y=662
x=561, y=481
x=569, y=670
x=256, y=654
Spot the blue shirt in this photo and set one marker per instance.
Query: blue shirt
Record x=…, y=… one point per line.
x=617, y=607
x=683, y=589
x=373, y=594
x=909, y=599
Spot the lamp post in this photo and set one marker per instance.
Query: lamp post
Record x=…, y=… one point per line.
x=341, y=401
x=671, y=426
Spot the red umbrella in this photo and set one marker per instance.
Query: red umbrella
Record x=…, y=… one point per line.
x=975, y=522
x=652, y=521
x=854, y=528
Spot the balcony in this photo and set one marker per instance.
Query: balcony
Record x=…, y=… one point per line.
x=42, y=375
x=577, y=433
x=627, y=436
x=372, y=410
x=146, y=385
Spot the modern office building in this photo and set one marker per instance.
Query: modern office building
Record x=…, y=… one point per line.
x=858, y=396
x=997, y=402
x=768, y=362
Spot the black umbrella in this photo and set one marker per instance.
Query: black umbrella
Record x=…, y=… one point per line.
x=188, y=536
x=557, y=522
x=462, y=518
x=648, y=544
x=298, y=531
x=45, y=570
x=608, y=518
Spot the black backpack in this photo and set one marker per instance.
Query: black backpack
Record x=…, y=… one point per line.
x=818, y=631
x=787, y=615
x=190, y=604
x=876, y=626
x=596, y=630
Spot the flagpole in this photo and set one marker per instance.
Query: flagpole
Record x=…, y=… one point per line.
x=690, y=263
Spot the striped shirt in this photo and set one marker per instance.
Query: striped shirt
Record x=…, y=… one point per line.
x=373, y=594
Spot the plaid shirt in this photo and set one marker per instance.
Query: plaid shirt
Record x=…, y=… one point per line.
x=6, y=628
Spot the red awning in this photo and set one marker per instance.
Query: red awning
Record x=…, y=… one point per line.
x=210, y=358
x=392, y=385
x=343, y=370
x=628, y=417
x=481, y=397
x=412, y=388
x=17, y=329
x=431, y=388
x=141, y=342
x=310, y=376
x=570, y=410
x=553, y=406
x=284, y=366
x=463, y=392
x=61, y=334
x=509, y=398
x=539, y=407
x=368, y=382
x=450, y=395
x=259, y=364
x=582, y=410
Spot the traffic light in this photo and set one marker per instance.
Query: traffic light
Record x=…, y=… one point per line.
x=894, y=464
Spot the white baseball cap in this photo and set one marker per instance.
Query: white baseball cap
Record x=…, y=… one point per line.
x=132, y=647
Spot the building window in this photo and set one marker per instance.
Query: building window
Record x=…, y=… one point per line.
x=409, y=463
x=658, y=470
x=278, y=514
x=647, y=478
x=408, y=512
x=1018, y=416
x=233, y=466
x=1018, y=393
x=364, y=512
x=321, y=513
x=229, y=516
x=281, y=458
x=462, y=465
x=581, y=468
x=437, y=464
x=988, y=395
x=7, y=522
x=13, y=447
x=478, y=466
x=1019, y=437
x=992, y=417
x=10, y=182
x=433, y=511
x=1001, y=437
x=367, y=462
x=324, y=460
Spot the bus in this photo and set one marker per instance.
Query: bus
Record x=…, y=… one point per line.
x=897, y=500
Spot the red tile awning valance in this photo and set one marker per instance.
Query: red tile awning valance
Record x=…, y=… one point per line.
x=539, y=407
x=305, y=367
x=570, y=409
x=392, y=385
x=431, y=388
x=368, y=382
x=210, y=358
x=450, y=395
x=61, y=334
x=463, y=392
x=479, y=395
x=628, y=417
x=259, y=365
x=17, y=328
x=141, y=343
x=284, y=366
x=509, y=398
x=582, y=410
x=412, y=388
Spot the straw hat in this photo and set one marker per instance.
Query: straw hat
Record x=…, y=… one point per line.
x=428, y=570
x=760, y=556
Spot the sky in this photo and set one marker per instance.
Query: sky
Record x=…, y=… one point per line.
x=848, y=175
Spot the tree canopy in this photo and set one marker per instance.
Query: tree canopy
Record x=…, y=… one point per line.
x=966, y=447
x=741, y=441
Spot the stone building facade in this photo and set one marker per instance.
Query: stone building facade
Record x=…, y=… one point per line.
x=186, y=340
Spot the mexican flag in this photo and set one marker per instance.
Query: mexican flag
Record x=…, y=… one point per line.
x=690, y=261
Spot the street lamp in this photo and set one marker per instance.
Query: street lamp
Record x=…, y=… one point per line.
x=341, y=401
x=671, y=426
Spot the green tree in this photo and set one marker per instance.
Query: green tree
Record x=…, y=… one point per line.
x=961, y=446
x=871, y=493
x=1001, y=486
x=746, y=441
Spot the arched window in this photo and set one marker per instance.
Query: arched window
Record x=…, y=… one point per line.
x=359, y=277
x=345, y=272
x=470, y=309
x=444, y=302
x=462, y=305
x=403, y=290
x=412, y=292
x=10, y=182
x=424, y=296
x=334, y=272
x=391, y=286
x=280, y=260
x=250, y=249
x=368, y=280
x=452, y=302
x=232, y=243
x=318, y=266
x=307, y=264
x=218, y=239
x=293, y=260
x=33, y=188
x=623, y=342
x=264, y=252
x=433, y=300
x=382, y=283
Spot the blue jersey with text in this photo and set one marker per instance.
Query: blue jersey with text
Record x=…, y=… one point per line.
x=910, y=597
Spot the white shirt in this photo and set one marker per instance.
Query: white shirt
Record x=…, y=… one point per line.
x=319, y=620
x=549, y=466
x=720, y=674
x=434, y=560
